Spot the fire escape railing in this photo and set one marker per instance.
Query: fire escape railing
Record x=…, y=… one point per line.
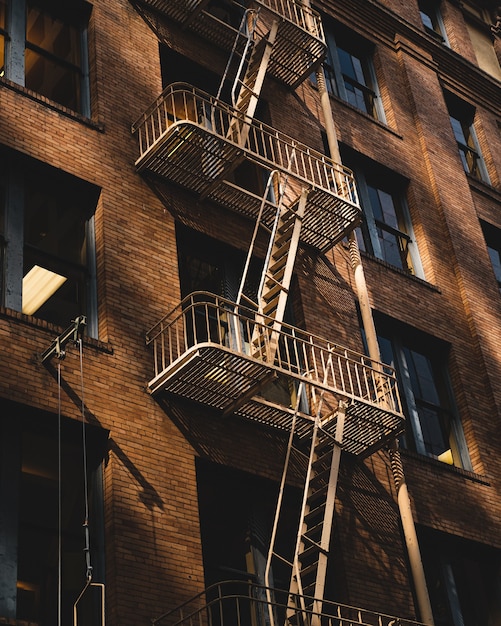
x=181, y=105
x=203, y=319
x=237, y=603
x=298, y=13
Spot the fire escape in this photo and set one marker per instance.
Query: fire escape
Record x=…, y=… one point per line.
x=224, y=354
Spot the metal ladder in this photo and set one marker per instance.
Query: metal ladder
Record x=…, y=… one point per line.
x=250, y=74
x=276, y=277
x=308, y=566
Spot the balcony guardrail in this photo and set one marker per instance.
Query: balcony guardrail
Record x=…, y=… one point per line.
x=298, y=13
x=240, y=603
x=203, y=319
x=185, y=110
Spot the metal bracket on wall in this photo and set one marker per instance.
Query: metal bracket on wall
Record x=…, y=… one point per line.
x=72, y=333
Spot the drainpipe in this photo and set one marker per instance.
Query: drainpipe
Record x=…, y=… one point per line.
x=403, y=499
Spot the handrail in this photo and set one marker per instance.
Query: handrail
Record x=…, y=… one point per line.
x=203, y=318
x=248, y=602
x=299, y=14
x=181, y=104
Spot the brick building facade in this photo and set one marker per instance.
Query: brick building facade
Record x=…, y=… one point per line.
x=141, y=461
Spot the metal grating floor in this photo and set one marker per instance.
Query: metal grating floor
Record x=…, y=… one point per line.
x=218, y=378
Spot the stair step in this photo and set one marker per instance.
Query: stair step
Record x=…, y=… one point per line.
x=272, y=279
x=278, y=265
x=311, y=552
x=314, y=533
x=286, y=220
x=315, y=514
x=309, y=572
x=273, y=292
x=318, y=494
x=280, y=251
x=270, y=307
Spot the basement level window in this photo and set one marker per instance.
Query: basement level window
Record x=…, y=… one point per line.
x=29, y=525
x=46, y=232
x=462, y=578
x=48, y=49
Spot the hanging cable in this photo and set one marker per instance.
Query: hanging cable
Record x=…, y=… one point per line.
x=59, y=497
x=88, y=565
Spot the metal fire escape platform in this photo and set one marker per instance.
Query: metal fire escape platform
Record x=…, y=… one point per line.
x=300, y=43
x=190, y=138
x=203, y=351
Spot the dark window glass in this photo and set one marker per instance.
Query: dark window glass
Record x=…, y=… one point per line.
x=493, y=240
x=49, y=508
x=2, y=233
x=53, y=62
x=55, y=241
x=386, y=229
x=349, y=70
x=3, y=12
x=431, y=19
x=433, y=428
x=462, y=116
x=463, y=579
x=46, y=251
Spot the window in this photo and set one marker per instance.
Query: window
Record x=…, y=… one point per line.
x=47, y=49
x=462, y=116
x=29, y=516
x=432, y=19
x=493, y=240
x=386, y=232
x=236, y=518
x=350, y=72
x=479, y=23
x=3, y=34
x=48, y=254
x=433, y=427
x=462, y=578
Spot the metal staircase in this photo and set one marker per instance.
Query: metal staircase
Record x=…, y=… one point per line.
x=227, y=361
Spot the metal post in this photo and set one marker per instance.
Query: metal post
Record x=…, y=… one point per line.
x=403, y=499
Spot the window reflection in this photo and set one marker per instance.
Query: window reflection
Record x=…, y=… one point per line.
x=53, y=63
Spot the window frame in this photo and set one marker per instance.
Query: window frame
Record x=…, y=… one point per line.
x=367, y=233
x=17, y=45
x=462, y=118
x=336, y=79
x=431, y=10
x=452, y=564
x=20, y=425
x=16, y=247
x=492, y=235
x=400, y=338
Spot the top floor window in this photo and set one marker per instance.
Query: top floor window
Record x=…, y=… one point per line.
x=46, y=49
x=479, y=22
x=350, y=71
x=462, y=116
x=432, y=19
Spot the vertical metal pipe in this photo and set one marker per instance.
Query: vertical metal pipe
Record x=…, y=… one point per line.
x=404, y=505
